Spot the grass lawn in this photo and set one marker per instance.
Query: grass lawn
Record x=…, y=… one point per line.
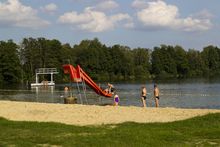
x=199, y=131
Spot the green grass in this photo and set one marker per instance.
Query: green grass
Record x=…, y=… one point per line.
x=199, y=131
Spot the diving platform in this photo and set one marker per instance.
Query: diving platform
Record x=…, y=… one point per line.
x=44, y=71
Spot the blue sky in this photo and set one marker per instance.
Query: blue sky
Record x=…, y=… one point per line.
x=134, y=23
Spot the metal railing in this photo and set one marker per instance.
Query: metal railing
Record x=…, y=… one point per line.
x=46, y=71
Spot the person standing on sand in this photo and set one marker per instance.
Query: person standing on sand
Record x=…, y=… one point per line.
x=143, y=95
x=156, y=95
x=116, y=100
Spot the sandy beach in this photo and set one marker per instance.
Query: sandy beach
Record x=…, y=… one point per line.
x=92, y=114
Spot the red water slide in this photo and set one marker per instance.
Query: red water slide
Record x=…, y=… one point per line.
x=77, y=75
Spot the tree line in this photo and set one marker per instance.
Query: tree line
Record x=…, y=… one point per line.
x=116, y=63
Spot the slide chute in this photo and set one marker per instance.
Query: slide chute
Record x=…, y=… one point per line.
x=78, y=75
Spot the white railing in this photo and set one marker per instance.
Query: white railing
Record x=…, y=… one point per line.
x=46, y=71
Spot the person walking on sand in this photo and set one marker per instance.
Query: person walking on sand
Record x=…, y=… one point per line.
x=116, y=100
x=156, y=95
x=143, y=95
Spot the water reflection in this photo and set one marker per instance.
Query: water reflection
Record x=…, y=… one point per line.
x=44, y=94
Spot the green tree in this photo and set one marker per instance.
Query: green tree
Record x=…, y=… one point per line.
x=163, y=64
x=67, y=54
x=181, y=61
x=29, y=54
x=93, y=57
x=210, y=55
x=196, y=64
x=157, y=66
x=10, y=67
x=141, y=57
x=104, y=63
x=121, y=62
x=40, y=53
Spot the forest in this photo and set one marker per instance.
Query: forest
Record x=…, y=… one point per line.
x=18, y=62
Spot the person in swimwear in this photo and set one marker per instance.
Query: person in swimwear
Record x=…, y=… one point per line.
x=156, y=95
x=116, y=100
x=66, y=89
x=143, y=95
x=110, y=89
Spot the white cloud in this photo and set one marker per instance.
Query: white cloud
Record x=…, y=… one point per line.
x=204, y=14
x=129, y=25
x=106, y=5
x=158, y=14
x=93, y=21
x=13, y=13
x=51, y=8
x=139, y=4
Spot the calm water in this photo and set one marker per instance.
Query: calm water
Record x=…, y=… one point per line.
x=180, y=95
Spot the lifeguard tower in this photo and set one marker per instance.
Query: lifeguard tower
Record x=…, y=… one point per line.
x=44, y=71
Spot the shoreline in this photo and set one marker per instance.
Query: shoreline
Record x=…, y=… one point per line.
x=81, y=115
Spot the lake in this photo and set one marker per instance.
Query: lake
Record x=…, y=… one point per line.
x=187, y=94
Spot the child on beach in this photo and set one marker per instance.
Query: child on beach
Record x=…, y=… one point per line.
x=110, y=89
x=116, y=100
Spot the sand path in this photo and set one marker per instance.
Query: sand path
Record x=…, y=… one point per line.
x=92, y=114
